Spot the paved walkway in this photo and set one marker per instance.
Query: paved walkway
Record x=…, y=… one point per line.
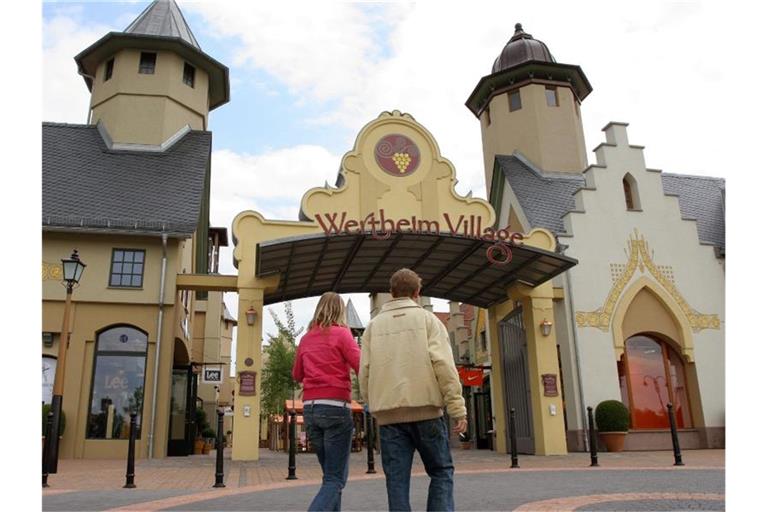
x=624, y=481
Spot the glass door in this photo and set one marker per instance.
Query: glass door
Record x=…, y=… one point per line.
x=180, y=432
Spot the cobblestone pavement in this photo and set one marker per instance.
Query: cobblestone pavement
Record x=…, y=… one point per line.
x=624, y=481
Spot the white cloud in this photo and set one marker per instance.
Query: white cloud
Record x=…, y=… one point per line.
x=65, y=95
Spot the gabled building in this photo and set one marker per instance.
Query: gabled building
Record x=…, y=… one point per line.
x=641, y=317
x=129, y=189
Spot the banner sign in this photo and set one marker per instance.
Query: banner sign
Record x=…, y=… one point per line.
x=212, y=374
x=471, y=376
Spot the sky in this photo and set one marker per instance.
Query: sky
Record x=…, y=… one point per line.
x=305, y=81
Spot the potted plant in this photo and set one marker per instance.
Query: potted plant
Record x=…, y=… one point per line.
x=208, y=435
x=201, y=424
x=612, y=418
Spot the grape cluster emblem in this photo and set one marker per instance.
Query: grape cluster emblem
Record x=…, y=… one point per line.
x=397, y=155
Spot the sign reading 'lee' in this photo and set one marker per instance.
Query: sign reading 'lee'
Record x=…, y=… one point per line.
x=212, y=375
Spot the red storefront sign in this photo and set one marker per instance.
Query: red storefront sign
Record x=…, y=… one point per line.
x=471, y=376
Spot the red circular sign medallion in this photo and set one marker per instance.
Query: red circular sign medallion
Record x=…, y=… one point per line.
x=397, y=155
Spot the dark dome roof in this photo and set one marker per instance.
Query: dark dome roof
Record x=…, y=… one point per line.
x=521, y=48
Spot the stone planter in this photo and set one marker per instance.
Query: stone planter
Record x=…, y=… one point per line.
x=613, y=441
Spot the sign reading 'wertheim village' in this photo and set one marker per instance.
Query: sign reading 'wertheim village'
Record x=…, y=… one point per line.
x=381, y=227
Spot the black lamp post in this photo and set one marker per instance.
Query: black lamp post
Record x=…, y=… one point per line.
x=73, y=271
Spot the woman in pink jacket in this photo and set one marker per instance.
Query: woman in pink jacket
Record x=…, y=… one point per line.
x=325, y=355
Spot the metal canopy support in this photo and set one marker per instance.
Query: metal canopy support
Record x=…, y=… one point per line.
x=347, y=262
x=452, y=266
x=381, y=261
x=317, y=265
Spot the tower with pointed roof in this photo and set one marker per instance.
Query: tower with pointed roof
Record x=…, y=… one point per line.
x=151, y=80
x=530, y=104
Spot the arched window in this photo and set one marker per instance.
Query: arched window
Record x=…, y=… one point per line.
x=651, y=375
x=631, y=196
x=117, y=387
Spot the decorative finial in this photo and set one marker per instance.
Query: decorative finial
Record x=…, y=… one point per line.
x=519, y=33
x=518, y=28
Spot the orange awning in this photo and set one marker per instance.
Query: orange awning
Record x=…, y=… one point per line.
x=298, y=406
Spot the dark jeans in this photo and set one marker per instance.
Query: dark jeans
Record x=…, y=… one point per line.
x=430, y=438
x=330, y=432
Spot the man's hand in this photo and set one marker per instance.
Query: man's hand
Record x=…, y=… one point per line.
x=461, y=426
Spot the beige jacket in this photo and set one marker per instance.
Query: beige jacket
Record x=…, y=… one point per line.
x=407, y=372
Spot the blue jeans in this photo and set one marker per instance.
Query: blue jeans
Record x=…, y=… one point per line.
x=430, y=438
x=330, y=432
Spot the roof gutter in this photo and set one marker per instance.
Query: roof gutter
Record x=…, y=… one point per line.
x=163, y=265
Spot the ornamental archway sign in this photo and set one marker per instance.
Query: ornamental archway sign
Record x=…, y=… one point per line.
x=394, y=205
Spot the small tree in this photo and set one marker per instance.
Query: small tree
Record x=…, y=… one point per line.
x=276, y=381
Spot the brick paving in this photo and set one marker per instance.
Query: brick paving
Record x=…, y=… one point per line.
x=624, y=481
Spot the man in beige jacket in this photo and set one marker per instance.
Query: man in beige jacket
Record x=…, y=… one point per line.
x=407, y=376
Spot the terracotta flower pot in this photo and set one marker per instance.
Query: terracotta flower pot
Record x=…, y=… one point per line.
x=199, y=443
x=613, y=441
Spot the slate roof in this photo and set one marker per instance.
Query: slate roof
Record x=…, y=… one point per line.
x=545, y=197
x=353, y=319
x=702, y=199
x=87, y=186
x=164, y=19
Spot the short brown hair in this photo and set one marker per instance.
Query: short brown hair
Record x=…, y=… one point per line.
x=404, y=283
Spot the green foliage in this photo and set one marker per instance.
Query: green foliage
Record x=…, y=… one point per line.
x=209, y=433
x=276, y=382
x=201, y=422
x=62, y=419
x=612, y=416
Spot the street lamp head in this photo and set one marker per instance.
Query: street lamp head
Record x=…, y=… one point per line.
x=73, y=268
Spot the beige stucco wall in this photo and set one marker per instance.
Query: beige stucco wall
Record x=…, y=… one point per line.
x=96, y=306
x=604, y=235
x=148, y=109
x=550, y=137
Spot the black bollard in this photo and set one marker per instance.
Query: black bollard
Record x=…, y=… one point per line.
x=369, y=442
x=220, y=451
x=48, y=428
x=675, y=442
x=513, y=438
x=130, y=471
x=592, y=438
x=292, y=447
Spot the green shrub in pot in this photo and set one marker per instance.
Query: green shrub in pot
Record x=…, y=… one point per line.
x=612, y=416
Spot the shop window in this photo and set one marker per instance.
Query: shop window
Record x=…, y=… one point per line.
x=651, y=375
x=127, y=268
x=108, y=69
x=631, y=197
x=551, y=93
x=147, y=63
x=189, y=75
x=515, y=102
x=117, y=387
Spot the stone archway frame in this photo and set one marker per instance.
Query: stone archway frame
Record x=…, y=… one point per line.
x=685, y=343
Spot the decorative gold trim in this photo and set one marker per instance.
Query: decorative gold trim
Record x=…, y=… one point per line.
x=51, y=271
x=639, y=257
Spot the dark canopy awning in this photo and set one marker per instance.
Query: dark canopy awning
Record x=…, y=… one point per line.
x=451, y=267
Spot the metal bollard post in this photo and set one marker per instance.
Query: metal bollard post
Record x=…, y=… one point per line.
x=369, y=442
x=675, y=442
x=292, y=447
x=130, y=471
x=513, y=440
x=48, y=428
x=592, y=438
x=220, y=451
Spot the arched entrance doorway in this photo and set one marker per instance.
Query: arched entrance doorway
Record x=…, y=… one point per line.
x=651, y=375
x=181, y=428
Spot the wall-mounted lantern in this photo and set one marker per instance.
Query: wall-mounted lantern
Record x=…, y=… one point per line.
x=546, y=327
x=250, y=316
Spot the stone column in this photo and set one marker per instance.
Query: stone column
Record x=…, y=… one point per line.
x=246, y=428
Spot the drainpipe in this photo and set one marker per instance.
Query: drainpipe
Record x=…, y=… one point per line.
x=579, y=378
x=164, y=262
